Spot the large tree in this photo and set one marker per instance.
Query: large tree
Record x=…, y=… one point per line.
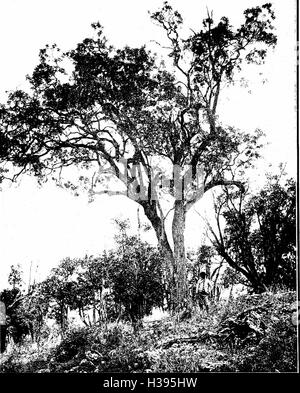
x=97, y=105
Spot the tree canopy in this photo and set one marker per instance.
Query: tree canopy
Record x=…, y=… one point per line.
x=124, y=112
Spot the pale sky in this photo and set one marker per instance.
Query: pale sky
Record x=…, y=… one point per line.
x=43, y=225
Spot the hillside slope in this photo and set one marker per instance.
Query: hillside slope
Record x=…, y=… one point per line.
x=251, y=333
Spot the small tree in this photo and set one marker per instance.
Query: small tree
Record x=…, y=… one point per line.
x=258, y=238
x=18, y=323
x=60, y=290
x=90, y=289
x=135, y=277
x=15, y=276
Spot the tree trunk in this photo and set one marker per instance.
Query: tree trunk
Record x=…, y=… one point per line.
x=180, y=271
x=159, y=227
x=150, y=209
x=176, y=267
x=63, y=318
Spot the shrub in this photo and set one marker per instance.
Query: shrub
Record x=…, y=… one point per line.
x=74, y=342
x=190, y=358
x=277, y=351
x=135, y=276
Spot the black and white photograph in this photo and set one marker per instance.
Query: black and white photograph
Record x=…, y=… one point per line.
x=148, y=189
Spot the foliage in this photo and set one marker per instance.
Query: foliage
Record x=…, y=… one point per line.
x=232, y=277
x=58, y=291
x=74, y=342
x=15, y=277
x=18, y=321
x=276, y=348
x=28, y=357
x=276, y=352
x=97, y=350
x=259, y=236
x=135, y=277
x=194, y=345
x=125, y=283
x=179, y=359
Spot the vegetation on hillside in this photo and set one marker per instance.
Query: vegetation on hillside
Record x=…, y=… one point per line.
x=251, y=333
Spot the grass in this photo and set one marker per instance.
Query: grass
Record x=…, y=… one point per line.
x=251, y=333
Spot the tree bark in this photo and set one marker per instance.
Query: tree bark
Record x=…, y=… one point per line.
x=176, y=274
x=180, y=271
x=150, y=210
